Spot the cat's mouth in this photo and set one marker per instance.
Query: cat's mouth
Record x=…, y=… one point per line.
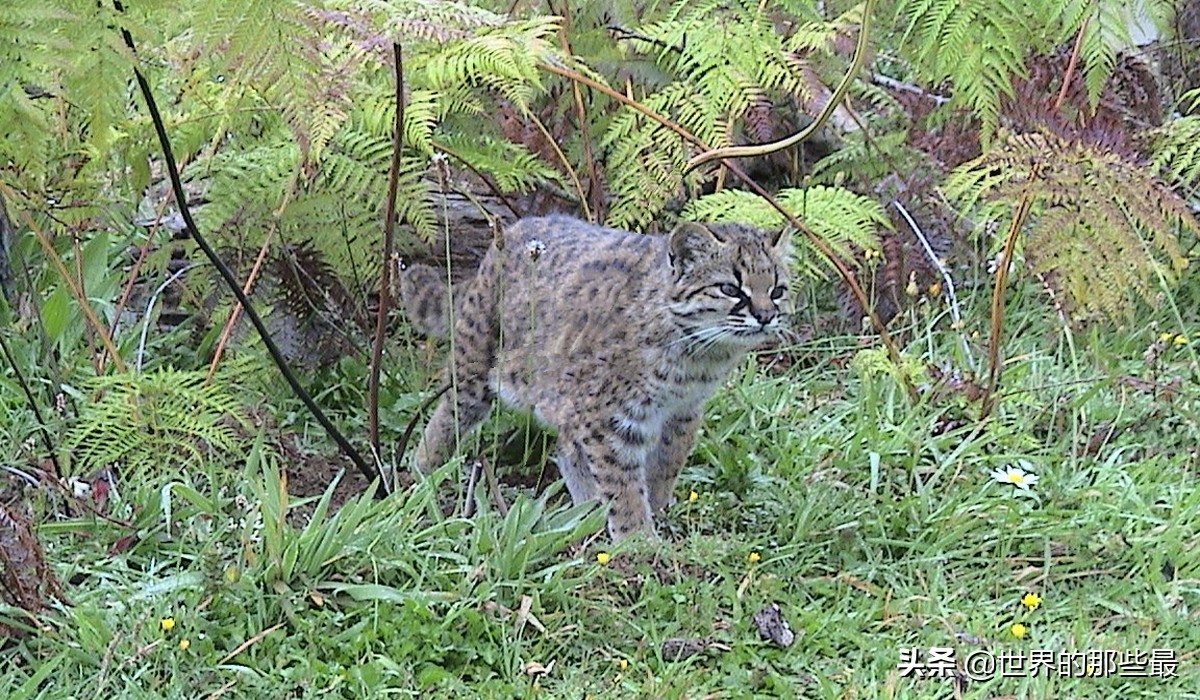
x=759, y=336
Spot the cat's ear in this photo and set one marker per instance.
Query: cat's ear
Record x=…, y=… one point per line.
x=781, y=240
x=689, y=241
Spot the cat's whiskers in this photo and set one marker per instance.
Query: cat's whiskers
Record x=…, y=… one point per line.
x=699, y=340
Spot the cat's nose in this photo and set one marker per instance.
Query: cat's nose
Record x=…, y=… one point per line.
x=764, y=316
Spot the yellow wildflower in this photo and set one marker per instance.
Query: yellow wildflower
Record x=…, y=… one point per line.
x=1018, y=630
x=1031, y=601
x=622, y=664
x=693, y=497
x=603, y=558
x=166, y=624
x=184, y=644
x=1181, y=339
x=1165, y=337
x=754, y=557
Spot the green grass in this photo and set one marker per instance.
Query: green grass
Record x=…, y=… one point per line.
x=875, y=530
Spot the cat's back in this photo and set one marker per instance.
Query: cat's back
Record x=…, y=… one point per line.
x=566, y=243
x=568, y=288
x=569, y=263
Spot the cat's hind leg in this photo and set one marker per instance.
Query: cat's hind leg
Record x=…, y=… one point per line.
x=469, y=398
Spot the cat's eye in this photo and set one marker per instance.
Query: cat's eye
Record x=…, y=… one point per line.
x=731, y=290
x=778, y=292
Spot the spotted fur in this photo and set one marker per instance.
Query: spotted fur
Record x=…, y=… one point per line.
x=615, y=339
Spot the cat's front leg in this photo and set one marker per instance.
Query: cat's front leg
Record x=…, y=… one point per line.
x=665, y=462
x=614, y=452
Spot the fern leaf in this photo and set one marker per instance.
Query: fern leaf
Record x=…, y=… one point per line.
x=504, y=60
x=160, y=420
x=838, y=216
x=1176, y=152
x=1104, y=224
x=728, y=62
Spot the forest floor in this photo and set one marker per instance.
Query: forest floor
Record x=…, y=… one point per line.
x=902, y=566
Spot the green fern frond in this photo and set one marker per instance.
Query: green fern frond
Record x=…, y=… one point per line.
x=646, y=160
x=728, y=53
x=69, y=54
x=980, y=46
x=814, y=33
x=875, y=362
x=259, y=179
x=977, y=45
x=1106, y=226
x=505, y=60
x=727, y=60
x=1175, y=152
x=863, y=156
x=155, y=422
x=408, y=21
x=841, y=218
x=1101, y=38
x=511, y=166
x=35, y=35
x=375, y=115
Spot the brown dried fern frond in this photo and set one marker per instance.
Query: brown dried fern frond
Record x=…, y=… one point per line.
x=315, y=307
x=1104, y=225
x=26, y=581
x=1129, y=103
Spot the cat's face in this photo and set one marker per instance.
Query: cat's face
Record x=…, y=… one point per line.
x=731, y=284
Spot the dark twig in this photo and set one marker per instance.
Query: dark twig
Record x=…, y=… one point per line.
x=385, y=272
x=276, y=356
x=620, y=33
x=33, y=405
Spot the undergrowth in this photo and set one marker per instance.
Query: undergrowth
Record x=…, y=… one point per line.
x=875, y=524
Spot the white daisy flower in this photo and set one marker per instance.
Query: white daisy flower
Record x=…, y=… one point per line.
x=1016, y=476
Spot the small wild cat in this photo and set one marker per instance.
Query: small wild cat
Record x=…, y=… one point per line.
x=615, y=339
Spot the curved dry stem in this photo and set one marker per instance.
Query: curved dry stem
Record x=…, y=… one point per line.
x=585, y=138
x=839, y=94
x=817, y=242
x=73, y=287
x=1010, y=243
x=236, y=313
x=1070, y=74
x=562, y=158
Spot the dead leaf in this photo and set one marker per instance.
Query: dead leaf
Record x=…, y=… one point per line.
x=678, y=649
x=773, y=628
